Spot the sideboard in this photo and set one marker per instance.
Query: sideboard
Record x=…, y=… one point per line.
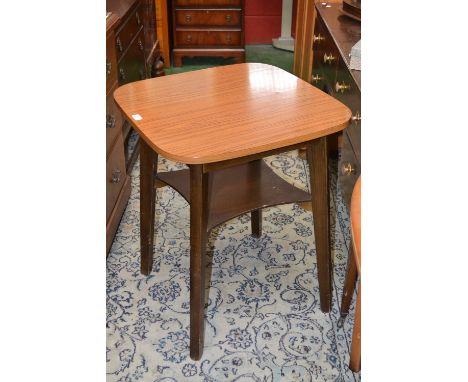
x=333, y=37
x=132, y=54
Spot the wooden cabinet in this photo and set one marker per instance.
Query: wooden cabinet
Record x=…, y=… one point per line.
x=132, y=54
x=138, y=55
x=117, y=179
x=208, y=28
x=333, y=37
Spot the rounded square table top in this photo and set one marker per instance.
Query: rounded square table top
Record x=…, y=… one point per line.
x=228, y=112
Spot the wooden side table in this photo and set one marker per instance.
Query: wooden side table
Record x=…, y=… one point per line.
x=221, y=121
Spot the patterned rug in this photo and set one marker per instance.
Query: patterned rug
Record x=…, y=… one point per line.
x=263, y=321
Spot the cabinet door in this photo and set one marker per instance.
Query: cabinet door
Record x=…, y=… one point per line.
x=132, y=65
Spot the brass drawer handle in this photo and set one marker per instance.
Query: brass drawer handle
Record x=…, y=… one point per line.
x=328, y=58
x=188, y=38
x=347, y=169
x=137, y=18
x=110, y=121
x=108, y=67
x=122, y=74
x=316, y=78
x=228, y=38
x=119, y=44
x=342, y=87
x=140, y=44
x=228, y=18
x=356, y=118
x=318, y=38
x=188, y=18
x=116, y=176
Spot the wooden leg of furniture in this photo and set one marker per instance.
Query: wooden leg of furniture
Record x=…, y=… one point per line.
x=355, y=358
x=318, y=166
x=177, y=60
x=350, y=282
x=240, y=58
x=198, y=235
x=256, y=223
x=148, y=166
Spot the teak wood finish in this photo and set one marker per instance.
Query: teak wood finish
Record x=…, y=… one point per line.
x=221, y=121
x=228, y=112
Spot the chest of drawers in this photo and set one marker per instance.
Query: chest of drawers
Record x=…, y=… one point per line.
x=334, y=36
x=117, y=179
x=208, y=28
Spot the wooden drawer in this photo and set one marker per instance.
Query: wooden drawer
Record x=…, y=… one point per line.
x=111, y=67
x=345, y=89
x=208, y=17
x=349, y=169
x=325, y=56
x=128, y=31
x=132, y=66
x=208, y=38
x=113, y=121
x=115, y=175
x=207, y=3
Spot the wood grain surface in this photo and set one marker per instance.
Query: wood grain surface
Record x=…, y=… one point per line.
x=228, y=112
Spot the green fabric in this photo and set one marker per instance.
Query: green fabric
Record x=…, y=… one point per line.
x=265, y=54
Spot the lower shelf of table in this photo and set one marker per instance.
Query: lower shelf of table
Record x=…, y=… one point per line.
x=238, y=190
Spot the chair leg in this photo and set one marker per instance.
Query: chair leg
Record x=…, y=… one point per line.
x=318, y=166
x=350, y=282
x=256, y=217
x=198, y=235
x=148, y=167
x=355, y=358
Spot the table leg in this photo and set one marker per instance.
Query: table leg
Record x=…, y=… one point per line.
x=349, y=283
x=318, y=166
x=198, y=235
x=148, y=166
x=256, y=217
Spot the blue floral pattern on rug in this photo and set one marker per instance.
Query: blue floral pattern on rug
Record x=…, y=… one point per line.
x=263, y=321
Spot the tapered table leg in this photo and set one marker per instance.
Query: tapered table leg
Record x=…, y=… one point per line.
x=198, y=234
x=256, y=217
x=317, y=158
x=148, y=167
x=349, y=283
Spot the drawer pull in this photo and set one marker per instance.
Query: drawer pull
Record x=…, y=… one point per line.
x=188, y=18
x=328, y=58
x=140, y=44
x=110, y=121
x=318, y=38
x=188, y=38
x=228, y=38
x=115, y=176
x=342, y=87
x=122, y=74
x=356, y=118
x=316, y=78
x=347, y=169
x=119, y=44
x=137, y=18
x=228, y=18
x=108, y=67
